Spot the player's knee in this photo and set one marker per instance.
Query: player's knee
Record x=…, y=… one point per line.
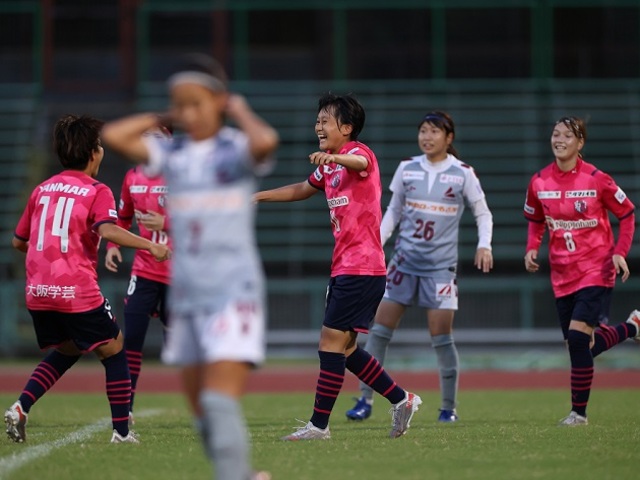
x=577, y=339
x=441, y=340
x=381, y=331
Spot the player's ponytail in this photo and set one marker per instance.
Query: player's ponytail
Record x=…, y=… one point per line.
x=442, y=121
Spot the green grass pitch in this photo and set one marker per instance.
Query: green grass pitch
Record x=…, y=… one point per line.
x=501, y=435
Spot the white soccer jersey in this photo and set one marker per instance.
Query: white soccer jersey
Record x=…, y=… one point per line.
x=432, y=198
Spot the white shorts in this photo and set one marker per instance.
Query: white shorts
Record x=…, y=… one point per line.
x=437, y=291
x=236, y=333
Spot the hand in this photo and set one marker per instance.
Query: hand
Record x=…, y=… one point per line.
x=530, y=261
x=236, y=105
x=109, y=260
x=160, y=252
x=483, y=260
x=152, y=221
x=621, y=266
x=321, y=158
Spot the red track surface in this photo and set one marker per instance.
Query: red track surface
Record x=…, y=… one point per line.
x=303, y=379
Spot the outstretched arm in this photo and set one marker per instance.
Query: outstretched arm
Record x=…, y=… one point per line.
x=115, y=234
x=288, y=193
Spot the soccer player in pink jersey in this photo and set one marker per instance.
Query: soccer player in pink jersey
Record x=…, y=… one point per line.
x=572, y=199
x=60, y=231
x=348, y=174
x=142, y=198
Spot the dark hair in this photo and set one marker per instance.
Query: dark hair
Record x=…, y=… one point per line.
x=442, y=121
x=199, y=62
x=346, y=110
x=75, y=138
x=576, y=125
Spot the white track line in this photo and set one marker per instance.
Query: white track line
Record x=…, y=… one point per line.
x=17, y=460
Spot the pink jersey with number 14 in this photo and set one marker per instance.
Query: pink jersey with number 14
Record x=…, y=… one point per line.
x=60, y=226
x=574, y=206
x=354, y=205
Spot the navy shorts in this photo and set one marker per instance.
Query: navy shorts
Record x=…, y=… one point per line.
x=590, y=305
x=146, y=297
x=87, y=330
x=352, y=301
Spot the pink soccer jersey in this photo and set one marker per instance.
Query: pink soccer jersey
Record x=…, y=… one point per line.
x=141, y=194
x=354, y=206
x=574, y=207
x=59, y=225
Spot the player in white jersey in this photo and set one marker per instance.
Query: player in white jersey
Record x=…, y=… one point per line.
x=216, y=297
x=429, y=195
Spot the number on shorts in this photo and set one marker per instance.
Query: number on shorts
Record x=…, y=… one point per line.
x=424, y=229
x=394, y=276
x=61, y=218
x=568, y=239
x=132, y=285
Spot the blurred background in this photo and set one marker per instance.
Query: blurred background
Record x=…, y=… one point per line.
x=505, y=70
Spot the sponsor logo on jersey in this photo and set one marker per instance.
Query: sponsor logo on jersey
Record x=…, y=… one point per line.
x=554, y=224
x=546, y=194
x=121, y=204
x=113, y=213
x=529, y=210
x=317, y=174
x=620, y=195
x=434, y=208
x=412, y=175
x=65, y=188
x=580, y=206
x=446, y=178
x=138, y=189
x=444, y=291
x=580, y=193
x=159, y=189
x=337, y=202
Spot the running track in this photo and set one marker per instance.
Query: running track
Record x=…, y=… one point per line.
x=157, y=379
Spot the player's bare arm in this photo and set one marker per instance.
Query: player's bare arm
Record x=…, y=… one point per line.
x=352, y=162
x=113, y=233
x=288, y=193
x=263, y=139
x=125, y=135
x=621, y=267
x=19, y=245
x=530, y=261
x=110, y=258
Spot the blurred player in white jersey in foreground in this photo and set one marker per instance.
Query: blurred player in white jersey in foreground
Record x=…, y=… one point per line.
x=216, y=298
x=429, y=195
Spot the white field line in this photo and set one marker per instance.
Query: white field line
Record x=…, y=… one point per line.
x=29, y=454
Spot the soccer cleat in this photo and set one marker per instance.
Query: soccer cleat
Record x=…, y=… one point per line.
x=634, y=319
x=401, y=414
x=448, y=416
x=361, y=411
x=130, y=438
x=573, y=420
x=15, y=418
x=308, y=432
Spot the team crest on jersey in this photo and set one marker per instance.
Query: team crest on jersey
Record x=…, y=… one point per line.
x=335, y=181
x=162, y=200
x=580, y=206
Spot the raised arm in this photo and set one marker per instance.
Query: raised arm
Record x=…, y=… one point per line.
x=125, y=135
x=288, y=193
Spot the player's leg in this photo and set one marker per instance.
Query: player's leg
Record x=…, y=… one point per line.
x=387, y=319
x=98, y=331
x=50, y=331
x=606, y=337
x=439, y=294
x=142, y=299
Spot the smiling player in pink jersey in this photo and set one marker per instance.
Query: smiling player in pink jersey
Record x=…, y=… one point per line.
x=60, y=231
x=348, y=174
x=572, y=199
x=142, y=198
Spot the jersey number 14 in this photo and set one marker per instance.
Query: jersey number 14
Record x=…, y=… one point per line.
x=61, y=218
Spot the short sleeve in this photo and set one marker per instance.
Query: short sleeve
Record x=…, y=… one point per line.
x=103, y=209
x=532, y=207
x=472, y=190
x=158, y=153
x=396, y=185
x=316, y=179
x=613, y=197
